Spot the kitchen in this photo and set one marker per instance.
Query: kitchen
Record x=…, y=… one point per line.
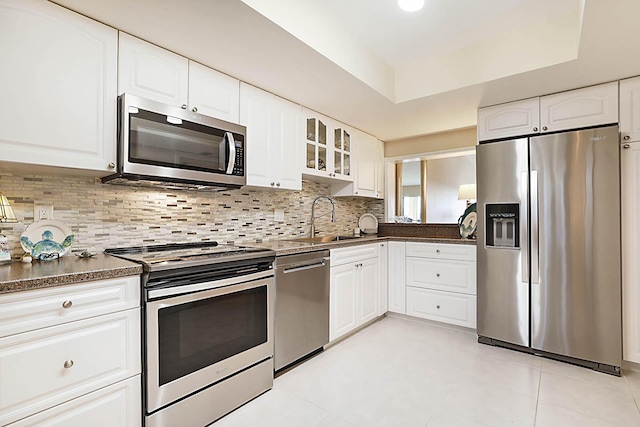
x=115, y=216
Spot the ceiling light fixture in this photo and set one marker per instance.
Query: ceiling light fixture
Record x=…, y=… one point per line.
x=411, y=5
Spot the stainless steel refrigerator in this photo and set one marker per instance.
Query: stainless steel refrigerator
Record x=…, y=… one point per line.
x=549, y=275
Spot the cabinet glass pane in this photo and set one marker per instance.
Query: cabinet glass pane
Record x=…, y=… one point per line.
x=337, y=162
x=311, y=129
x=322, y=159
x=347, y=142
x=311, y=156
x=347, y=164
x=322, y=132
x=338, y=138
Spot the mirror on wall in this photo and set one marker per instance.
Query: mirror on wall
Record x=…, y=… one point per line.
x=427, y=189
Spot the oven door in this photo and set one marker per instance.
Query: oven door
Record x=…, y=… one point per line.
x=199, y=338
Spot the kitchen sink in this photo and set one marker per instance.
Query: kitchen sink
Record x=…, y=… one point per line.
x=322, y=239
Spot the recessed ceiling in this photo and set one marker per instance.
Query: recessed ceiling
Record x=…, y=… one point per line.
x=391, y=73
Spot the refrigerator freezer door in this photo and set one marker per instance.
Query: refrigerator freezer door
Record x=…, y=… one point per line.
x=576, y=301
x=503, y=291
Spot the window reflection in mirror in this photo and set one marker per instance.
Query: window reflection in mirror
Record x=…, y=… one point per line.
x=431, y=194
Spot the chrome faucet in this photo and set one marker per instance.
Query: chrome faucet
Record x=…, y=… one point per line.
x=313, y=213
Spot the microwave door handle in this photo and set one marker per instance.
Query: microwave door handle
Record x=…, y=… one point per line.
x=232, y=152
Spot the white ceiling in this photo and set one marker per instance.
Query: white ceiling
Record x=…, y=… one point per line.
x=387, y=72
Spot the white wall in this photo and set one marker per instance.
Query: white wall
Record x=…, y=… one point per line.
x=444, y=176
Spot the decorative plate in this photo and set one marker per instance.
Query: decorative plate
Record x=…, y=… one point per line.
x=368, y=224
x=47, y=239
x=468, y=221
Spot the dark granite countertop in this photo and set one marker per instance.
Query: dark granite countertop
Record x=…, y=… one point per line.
x=17, y=276
x=285, y=247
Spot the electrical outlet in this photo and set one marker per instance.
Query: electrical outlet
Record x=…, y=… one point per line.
x=42, y=212
x=278, y=215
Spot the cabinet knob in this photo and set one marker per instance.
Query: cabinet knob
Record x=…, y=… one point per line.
x=67, y=304
x=277, y=184
x=272, y=184
x=111, y=165
x=438, y=307
x=535, y=129
x=194, y=109
x=437, y=274
x=184, y=106
x=545, y=128
x=626, y=137
x=356, y=192
x=626, y=146
x=437, y=251
x=68, y=364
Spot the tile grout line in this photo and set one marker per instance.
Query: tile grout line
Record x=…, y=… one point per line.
x=535, y=414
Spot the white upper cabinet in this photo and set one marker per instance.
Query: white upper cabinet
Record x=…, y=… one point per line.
x=630, y=109
x=327, y=149
x=368, y=168
x=59, y=81
x=213, y=93
x=273, y=133
x=506, y=120
x=152, y=72
x=590, y=106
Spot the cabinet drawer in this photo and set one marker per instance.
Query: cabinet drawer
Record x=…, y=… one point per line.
x=119, y=404
x=97, y=352
x=442, y=251
x=352, y=254
x=446, y=275
x=456, y=309
x=30, y=310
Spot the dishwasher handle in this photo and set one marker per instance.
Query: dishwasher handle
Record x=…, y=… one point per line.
x=302, y=267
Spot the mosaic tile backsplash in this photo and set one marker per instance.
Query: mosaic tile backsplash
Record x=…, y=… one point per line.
x=103, y=216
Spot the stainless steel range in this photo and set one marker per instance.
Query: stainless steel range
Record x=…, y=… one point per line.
x=208, y=329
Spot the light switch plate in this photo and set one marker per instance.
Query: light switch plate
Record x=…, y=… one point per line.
x=42, y=212
x=278, y=215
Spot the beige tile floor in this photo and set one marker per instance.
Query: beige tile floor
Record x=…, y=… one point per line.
x=404, y=373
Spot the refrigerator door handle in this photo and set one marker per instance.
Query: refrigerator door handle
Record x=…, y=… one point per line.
x=524, y=245
x=535, y=255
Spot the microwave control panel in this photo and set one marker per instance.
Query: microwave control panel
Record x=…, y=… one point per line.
x=238, y=168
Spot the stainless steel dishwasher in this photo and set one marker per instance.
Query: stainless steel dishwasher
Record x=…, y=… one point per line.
x=302, y=306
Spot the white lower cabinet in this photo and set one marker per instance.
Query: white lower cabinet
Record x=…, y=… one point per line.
x=85, y=351
x=117, y=405
x=447, y=307
x=354, y=289
x=383, y=302
x=396, y=281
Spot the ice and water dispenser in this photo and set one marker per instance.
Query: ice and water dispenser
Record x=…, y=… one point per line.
x=503, y=222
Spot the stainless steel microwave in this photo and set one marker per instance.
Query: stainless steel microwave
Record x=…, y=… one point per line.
x=166, y=146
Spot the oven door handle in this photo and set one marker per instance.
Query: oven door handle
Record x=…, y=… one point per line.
x=153, y=294
x=297, y=268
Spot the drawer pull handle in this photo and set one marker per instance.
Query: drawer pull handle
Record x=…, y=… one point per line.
x=67, y=304
x=437, y=251
x=438, y=307
x=437, y=274
x=68, y=364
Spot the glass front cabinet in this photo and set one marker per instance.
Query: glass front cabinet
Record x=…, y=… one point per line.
x=327, y=148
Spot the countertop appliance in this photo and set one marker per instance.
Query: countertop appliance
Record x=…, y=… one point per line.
x=208, y=313
x=549, y=275
x=302, y=306
x=165, y=146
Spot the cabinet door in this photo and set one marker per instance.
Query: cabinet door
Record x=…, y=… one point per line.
x=630, y=171
x=383, y=306
x=630, y=109
x=119, y=404
x=591, y=106
x=366, y=166
x=287, y=126
x=380, y=170
x=59, y=78
x=151, y=72
x=396, y=277
x=43, y=368
x=213, y=93
x=512, y=119
x=254, y=114
x=343, y=301
x=368, y=289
